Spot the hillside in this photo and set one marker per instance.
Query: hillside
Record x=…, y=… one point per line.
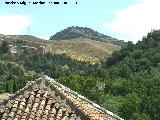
x=84, y=49
x=84, y=32
x=135, y=73
x=127, y=83
x=81, y=49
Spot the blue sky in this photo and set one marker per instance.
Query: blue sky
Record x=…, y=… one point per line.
x=111, y=17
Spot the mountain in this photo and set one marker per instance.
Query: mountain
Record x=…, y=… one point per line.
x=81, y=49
x=84, y=32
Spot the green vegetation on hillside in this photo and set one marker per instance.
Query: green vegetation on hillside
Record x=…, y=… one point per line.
x=127, y=83
x=131, y=86
x=13, y=76
x=29, y=64
x=54, y=65
x=84, y=32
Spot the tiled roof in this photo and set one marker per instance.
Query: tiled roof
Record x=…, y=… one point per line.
x=45, y=99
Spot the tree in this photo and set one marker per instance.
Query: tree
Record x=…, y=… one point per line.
x=130, y=105
x=14, y=86
x=7, y=87
x=4, y=47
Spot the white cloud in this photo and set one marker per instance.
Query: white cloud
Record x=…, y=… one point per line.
x=11, y=25
x=136, y=20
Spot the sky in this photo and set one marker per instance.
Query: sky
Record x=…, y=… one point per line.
x=127, y=20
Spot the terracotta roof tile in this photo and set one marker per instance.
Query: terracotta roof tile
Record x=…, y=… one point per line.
x=45, y=99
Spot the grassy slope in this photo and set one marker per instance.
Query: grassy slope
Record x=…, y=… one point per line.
x=84, y=49
x=81, y=49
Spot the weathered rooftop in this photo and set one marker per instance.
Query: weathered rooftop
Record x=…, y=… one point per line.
x=45, y=99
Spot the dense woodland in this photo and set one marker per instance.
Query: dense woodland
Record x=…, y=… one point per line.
x=12, y=75
x=127, y=83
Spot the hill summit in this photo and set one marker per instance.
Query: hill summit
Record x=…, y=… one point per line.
x=84, y=32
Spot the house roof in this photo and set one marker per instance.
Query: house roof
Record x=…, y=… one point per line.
x=46, y=99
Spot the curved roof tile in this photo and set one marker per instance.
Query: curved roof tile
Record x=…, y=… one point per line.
x=46, y=99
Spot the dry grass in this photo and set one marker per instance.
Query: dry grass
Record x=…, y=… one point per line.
x=84, y=49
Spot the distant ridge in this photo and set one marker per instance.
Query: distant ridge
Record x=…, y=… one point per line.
x=81, y=49
x=84, y=32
